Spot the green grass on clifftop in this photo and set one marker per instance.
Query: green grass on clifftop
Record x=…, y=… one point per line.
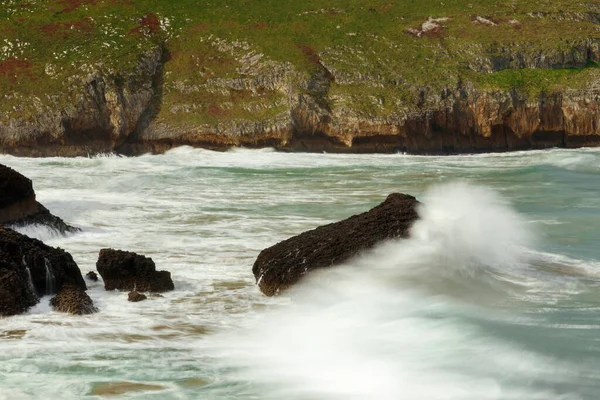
x=44, y=44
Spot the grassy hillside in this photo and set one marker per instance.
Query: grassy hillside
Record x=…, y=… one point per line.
x=375, y=48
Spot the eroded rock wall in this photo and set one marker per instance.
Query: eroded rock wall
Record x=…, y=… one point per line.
x=119, y=114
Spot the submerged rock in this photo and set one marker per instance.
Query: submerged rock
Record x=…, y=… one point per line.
x=18, y=206
x=283, y=264
x=92, y=276
x=30, y=269
x=112, y=389
x=136, y=296
x=124, y=270
x=74, y=300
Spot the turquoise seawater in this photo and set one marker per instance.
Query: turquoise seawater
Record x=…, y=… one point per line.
x=496, y=296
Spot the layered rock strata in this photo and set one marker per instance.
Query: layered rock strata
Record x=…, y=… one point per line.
x=285, y=263
x=318, y=112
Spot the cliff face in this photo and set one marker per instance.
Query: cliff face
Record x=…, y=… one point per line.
x=120, y=115
x=514, y=79
x=104, y=110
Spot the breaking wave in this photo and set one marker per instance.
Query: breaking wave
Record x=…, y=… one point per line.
x=407, y=320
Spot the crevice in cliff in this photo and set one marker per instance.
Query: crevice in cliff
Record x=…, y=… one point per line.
x=310, y=117
x=126, y=147
x=91, y=133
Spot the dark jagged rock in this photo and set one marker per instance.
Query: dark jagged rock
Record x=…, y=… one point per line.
x=30, y=269
x=283, y=264
x=92, y=276
x=18, y=206
x=14, y=188
x=16, y=294
x=45, y=218
x=124, y=270
x=136, y=296
x=74, y=300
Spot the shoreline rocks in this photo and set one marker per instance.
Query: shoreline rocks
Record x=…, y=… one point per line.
x=282, y=265
x=74, y=300
x=29, y=269
x=18, y=205
x=128, y=271
x=135, y=296
x=17, y=295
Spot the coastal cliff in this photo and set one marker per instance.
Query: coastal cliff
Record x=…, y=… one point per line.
x=387, y=78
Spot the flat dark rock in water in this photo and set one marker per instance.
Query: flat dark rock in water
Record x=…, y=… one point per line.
x=124, y=270
x=18, y=206
x=30, y=269
x=74, y=300
x=283, y=264
x=136, y=296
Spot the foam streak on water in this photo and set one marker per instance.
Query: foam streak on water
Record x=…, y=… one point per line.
x=496, y=295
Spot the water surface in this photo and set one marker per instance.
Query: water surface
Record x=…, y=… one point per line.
x=497, y=296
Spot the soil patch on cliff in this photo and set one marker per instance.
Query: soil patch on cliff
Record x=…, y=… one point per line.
x=147, y=25
x=72, y=5
x=15, y=68
x=68, y=29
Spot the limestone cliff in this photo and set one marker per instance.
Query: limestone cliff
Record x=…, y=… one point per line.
x=477, y=79
x=104, y=110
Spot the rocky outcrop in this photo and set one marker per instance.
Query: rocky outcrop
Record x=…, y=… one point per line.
x=92, y=276
x=456, y=119
x=17, y=295
x=285, y=263
x=73, y=300
x=18, y=206
x=346, y=101
x=575, y=55
x=128, y=271
x=467, y=120
x=29, y=269
x=106, y=109
x=135, y=296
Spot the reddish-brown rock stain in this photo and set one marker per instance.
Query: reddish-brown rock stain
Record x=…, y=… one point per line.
x=13, y=68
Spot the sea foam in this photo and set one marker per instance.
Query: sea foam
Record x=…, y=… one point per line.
x=389, y=325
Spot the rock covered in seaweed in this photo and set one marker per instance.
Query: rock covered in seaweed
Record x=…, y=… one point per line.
x=18, y=205
x=283, y=264
x=30, y=269
x=124, y=270
x=74, y=300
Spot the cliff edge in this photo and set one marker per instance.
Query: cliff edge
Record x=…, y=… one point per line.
x=81, y=77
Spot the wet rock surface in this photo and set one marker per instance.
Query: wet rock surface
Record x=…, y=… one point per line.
x=16, y=294
x=18, y=205
x=280, y=266
x=74, y=300
x=128, y=271
x=135, y=296
x=30, y=269
x=92, y=276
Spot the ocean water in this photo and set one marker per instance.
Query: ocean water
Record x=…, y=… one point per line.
x=495, y=296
